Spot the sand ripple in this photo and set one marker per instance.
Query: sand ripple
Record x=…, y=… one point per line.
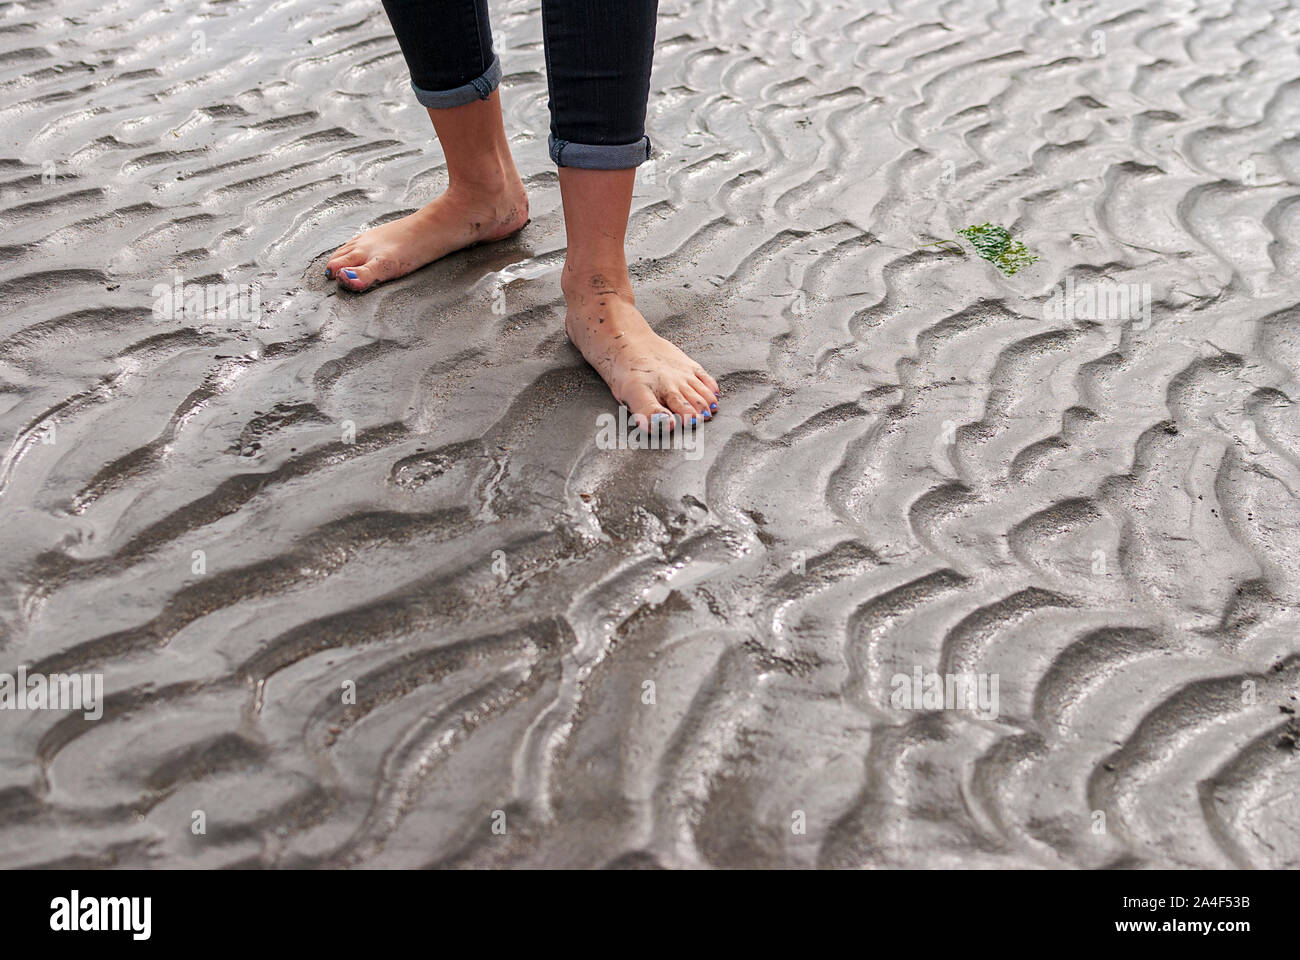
x=916, y=467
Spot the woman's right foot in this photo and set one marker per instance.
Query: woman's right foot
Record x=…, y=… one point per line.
x=461, y=217
x=646, y=373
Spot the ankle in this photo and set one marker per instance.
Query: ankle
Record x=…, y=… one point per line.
x=477, y=192
x=587, y=278
x=487, y=180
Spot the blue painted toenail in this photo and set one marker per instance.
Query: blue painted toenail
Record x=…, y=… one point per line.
x=658, y=418
x=329, y=272
x=351, y=275
x=713, y=406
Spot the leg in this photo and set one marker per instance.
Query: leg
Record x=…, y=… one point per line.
x=598, y=68
x=643, y=370
x=448, y=48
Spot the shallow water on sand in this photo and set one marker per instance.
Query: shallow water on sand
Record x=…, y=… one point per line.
x=642, y=658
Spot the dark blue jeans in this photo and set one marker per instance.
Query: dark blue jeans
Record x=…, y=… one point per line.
x=598, y=55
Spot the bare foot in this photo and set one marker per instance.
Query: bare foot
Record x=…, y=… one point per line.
x=461, y=217
x=646, y=373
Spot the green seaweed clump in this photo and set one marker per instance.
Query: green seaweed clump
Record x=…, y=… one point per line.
x=995, y=245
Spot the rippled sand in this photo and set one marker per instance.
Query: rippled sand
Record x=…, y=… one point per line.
x=915, y=465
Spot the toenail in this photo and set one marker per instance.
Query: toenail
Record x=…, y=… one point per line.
x=329, y=272
x=713, y=406
x=706, y=415
x=351, y=274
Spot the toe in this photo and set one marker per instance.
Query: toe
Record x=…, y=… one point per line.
x=711, y=388
x=703, y=405
x=336, y=264
x=644, y=405
x=340, y=254
x=675, y=401
x=706, y=391
x=357, y=278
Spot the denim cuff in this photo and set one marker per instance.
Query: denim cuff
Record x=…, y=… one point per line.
x=480, y=88
x=600, y=156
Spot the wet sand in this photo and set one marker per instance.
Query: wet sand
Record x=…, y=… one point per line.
x=571, y=656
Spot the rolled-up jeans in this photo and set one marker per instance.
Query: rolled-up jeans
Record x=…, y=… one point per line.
x=598, y=55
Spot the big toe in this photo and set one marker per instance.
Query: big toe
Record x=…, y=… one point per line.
x=357, y=278
x=646, y=410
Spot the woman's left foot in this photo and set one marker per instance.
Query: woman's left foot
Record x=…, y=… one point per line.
x=461, y=217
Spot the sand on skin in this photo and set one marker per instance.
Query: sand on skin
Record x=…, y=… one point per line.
x=916, y=466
